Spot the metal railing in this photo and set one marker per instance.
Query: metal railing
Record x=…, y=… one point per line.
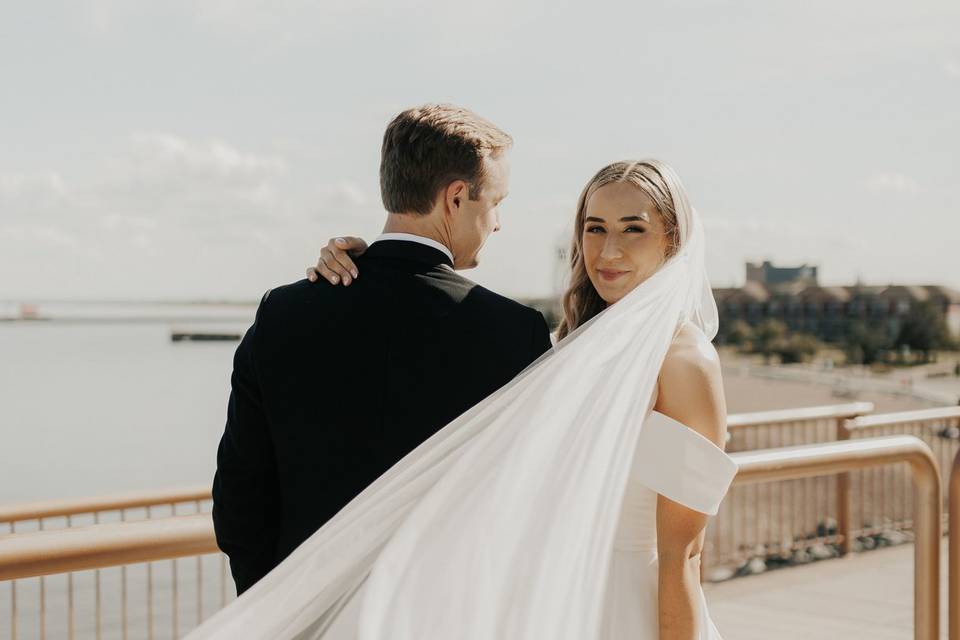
x=108, y=545
x=98, y=505
x=782, y=520
x=55, y=533
x=879, y=498
x=735, y=534
x=792, y=463
x=105, y=545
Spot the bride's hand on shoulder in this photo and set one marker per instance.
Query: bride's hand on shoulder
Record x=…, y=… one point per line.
x=335, y=264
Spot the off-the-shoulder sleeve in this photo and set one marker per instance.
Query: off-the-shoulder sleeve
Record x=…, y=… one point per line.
x=682, y=465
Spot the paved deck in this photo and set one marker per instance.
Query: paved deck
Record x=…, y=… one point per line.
x=867, y=595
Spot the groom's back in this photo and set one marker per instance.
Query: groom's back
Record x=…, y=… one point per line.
x=350, y=379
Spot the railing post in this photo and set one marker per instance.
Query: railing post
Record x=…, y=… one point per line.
x=843, y=496
x=928, y=530
x=953, y=556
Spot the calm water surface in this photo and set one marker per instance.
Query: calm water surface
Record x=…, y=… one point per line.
x=89, y=408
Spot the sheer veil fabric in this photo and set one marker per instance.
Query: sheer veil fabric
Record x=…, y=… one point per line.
x=501, y=525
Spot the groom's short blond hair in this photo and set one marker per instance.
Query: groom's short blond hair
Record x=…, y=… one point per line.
x=428, y=147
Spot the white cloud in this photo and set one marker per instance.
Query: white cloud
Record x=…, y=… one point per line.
x=22, y=194
x=194, y=182
x=32, y=196
x=17, y=185
x=341, y=198
x=204, y=158
x=192, y=208
x=113, y=221
x=280, y=20
x=892, y=181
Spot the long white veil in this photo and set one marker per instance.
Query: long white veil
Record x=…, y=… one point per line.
x=500, y=525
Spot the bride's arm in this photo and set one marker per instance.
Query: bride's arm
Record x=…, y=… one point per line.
x=691, y=392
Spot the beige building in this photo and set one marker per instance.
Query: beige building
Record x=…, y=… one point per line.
x=794, y=296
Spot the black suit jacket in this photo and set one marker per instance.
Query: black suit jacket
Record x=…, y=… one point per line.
x=332, y=385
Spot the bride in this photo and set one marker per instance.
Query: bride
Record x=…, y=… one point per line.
x=572, y=502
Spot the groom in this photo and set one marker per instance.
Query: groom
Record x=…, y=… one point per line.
x=413, y=345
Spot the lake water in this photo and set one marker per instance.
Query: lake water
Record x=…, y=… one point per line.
x=89, y=408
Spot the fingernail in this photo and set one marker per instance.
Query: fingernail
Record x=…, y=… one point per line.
x=340, y=241
x=346, y=282
x=354, y=272
x=334, y=279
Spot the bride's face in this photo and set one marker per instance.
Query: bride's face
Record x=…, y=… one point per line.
x=624, y=239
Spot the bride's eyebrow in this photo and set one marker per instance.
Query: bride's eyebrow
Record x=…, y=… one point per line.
x=643, y=217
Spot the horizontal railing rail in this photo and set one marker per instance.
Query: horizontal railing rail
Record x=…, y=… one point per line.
x=98, y=546
x=804, y=414
x=117, y=502
x=902, y=417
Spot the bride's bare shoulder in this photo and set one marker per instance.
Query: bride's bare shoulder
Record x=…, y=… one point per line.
x=691, y=384
x=691, y=348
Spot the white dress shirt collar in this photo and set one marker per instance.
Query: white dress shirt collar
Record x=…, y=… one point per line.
x=409, y=237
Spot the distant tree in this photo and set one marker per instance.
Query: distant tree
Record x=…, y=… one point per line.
x=767, y=335
x=924, y=329
x=798, y=347
x=740, y=334
x=864, y=344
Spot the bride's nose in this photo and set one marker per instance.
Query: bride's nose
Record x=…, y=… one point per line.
x=611, y=248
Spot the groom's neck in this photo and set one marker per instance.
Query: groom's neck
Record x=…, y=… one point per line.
x=425, y=226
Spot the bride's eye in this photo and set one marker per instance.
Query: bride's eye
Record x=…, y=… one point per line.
x=636, y=228
x=595, y=229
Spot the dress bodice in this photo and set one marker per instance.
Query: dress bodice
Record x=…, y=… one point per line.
x=637, y=529
x=673, y=460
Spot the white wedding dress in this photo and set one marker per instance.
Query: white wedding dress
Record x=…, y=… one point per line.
x=671, y=460
x=532, y=515
x=682, y=465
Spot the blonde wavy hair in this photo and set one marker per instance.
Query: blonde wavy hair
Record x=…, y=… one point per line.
x=662, y=185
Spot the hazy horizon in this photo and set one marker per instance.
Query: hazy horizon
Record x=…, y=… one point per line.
x=212, y=300
x=191, y=150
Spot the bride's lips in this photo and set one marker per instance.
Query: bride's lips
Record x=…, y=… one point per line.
x=610, y=275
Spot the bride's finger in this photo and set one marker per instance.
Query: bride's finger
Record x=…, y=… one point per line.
x=314, y=274
x=343, y=260
x=324, y=272
x=329, y=260
x=352, y=245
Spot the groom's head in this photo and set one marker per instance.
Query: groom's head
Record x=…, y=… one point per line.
x=447, y=167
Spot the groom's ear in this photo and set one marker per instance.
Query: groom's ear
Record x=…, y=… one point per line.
x=454, y=195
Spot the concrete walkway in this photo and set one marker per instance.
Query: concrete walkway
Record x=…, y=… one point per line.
x=865, y=596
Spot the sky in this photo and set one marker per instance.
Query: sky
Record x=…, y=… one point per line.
x=193, y=149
